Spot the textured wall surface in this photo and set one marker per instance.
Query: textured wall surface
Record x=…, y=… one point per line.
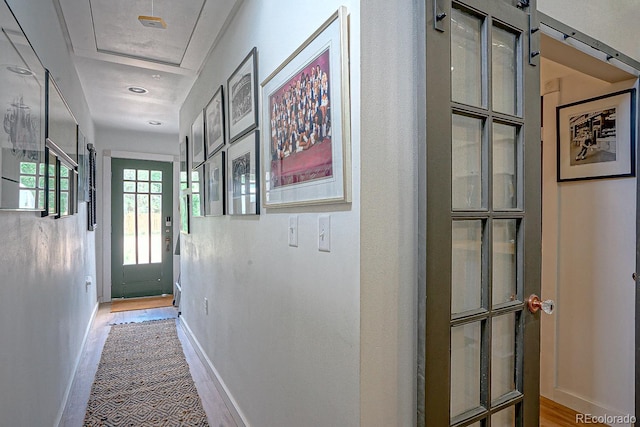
x=43, y=264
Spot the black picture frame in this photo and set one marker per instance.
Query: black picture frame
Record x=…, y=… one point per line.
x=596, y=137
x=243, y=175
x=214, y=180
x=242, y=98
x=197, y=141
x=214, y=123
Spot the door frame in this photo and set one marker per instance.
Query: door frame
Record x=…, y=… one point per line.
x=632, y=66
x=105, y=223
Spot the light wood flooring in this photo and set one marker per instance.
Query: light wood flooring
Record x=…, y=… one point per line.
x=143, y=303
x=553, y=414
x=73, y=416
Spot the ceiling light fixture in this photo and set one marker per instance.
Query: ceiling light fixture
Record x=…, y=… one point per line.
x=154, y=123
x=152, y=21
x=137, y=89
x=20, y=70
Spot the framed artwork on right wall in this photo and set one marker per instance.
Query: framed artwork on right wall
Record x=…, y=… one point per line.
x=596, y=137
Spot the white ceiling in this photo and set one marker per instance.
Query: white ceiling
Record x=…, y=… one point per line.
x=112, y=51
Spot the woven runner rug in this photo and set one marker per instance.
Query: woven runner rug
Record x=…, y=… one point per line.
x=143, y=379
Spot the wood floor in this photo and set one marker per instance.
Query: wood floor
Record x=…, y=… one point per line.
x=553, y=414
x=73, y=416
x=144, y=303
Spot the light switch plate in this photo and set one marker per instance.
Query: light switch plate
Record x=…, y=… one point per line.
x=324, y=233
x=293, y=231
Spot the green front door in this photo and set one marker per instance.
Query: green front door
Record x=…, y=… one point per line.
x=142, y=228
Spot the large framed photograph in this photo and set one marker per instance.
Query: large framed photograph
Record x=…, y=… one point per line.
x=214, y=181
x=242, y=97
x=243, y=178
x=307, y=150
x=596, y=137
x=214, y=123
x=197, y=141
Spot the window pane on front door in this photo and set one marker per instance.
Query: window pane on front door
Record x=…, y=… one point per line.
x=142, y=215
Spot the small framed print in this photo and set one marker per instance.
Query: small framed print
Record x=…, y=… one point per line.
x=197, y=141
x=242, y=97
x=243, y=181
x=596, y=137
x=214, y=180
x=214, y=123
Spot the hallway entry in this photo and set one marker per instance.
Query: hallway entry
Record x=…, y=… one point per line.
x=142, y=228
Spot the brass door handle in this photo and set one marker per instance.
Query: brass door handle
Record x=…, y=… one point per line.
x=534, y=303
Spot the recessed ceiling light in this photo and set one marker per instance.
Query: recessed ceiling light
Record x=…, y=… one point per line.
x=20, y=70
x=137, y=89
x=154, y=123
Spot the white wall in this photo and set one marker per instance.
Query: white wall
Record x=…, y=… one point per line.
x=391, y=86
x=127, y=144
x=283, y=329
x=587, y=360
x=608, y=22
x=43, y=264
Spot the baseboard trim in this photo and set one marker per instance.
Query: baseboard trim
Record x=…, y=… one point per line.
x=231, y=403
x=76, y=365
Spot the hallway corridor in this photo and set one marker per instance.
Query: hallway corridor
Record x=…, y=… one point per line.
x=217, y=413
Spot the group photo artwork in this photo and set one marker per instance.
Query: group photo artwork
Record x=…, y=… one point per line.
x=301, y=126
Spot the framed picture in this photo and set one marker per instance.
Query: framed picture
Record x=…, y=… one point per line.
x=22, y=147
x=307, y=150
x=197, y=141
x=243, y=186
x=184, y=164
x=61, y=124
x=242, y=97
x=214, y=123
x=184, y=213
x=83, y=168
x=197, y=192
x=214, y=181
x=596, y=137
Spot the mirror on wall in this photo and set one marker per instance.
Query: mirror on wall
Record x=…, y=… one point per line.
x=22, y=103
